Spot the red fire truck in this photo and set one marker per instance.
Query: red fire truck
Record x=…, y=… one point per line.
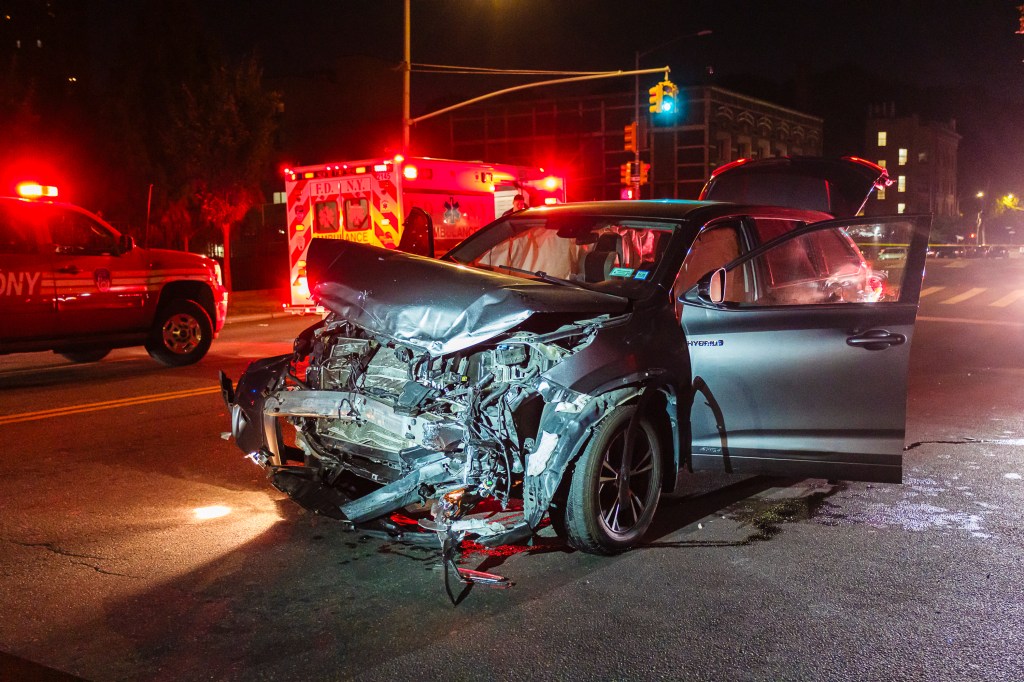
x=369, y=201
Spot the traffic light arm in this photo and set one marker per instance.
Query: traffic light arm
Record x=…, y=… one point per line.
x=525, y=86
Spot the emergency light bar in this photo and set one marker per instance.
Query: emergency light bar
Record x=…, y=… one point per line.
x=33, y=190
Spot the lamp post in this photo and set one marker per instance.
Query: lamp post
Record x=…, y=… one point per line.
x=642, y=132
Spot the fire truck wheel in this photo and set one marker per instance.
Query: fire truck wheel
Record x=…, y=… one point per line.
x=86, y=354
x=181, y=333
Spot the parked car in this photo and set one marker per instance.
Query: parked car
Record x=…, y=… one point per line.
x=949, y=251
x=892, y=253
x=575, y=362
x=72, y=284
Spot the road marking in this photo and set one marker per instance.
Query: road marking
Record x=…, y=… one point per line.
x=957, y=264
x=970, y=293
x=930, y=290
x=967, y=320
x=1008, y=299
x=105, y=405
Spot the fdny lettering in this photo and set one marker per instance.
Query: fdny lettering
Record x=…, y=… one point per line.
x=353, y=185
x=321, y=189
x=19, y=283
x=703, y=344
x=343, y=186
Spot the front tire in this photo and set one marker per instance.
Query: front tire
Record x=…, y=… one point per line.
x=615, y=486
x=181, y=333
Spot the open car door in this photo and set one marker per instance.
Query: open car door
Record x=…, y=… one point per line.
x=800, y=350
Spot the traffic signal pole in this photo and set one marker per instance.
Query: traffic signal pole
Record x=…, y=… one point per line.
x=525, y=86
x=406, y=80
x=636, y=123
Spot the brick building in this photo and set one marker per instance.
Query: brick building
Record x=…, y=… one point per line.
x=582, y=136
x=921, y=158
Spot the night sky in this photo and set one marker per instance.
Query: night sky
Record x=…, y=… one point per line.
x=941, y=42
x=964, y=56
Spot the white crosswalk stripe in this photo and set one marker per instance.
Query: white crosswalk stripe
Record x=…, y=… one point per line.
x=1008, y=299
x=970, y=293
x=931, y=290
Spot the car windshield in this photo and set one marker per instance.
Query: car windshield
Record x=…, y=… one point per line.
x=609, y=254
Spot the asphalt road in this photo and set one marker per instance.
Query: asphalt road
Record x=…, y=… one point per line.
x=107, y=573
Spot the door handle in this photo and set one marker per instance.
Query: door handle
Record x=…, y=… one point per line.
x=69, y=270
x=875, y=339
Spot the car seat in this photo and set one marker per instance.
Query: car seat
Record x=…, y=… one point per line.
x=598, y=264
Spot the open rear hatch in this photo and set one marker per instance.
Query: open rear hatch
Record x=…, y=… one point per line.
x=839, y=187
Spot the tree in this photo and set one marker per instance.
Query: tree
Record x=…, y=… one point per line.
x=222, y=138
x=195, y=126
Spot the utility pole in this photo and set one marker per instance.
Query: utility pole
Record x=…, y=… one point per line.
x=406, y=78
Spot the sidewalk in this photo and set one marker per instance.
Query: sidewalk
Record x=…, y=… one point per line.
x=246, y=306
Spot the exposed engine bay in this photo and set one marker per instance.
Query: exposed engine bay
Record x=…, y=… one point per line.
x=381, y=428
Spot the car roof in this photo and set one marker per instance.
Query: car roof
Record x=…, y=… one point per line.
x=674, y=209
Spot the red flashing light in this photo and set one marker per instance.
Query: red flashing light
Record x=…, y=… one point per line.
x=551, y=183
x=410, y=172
x=728, y=166
x=33, y=190
x=399, y=158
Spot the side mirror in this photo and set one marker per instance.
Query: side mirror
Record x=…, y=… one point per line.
x=711, y=287
x=125, y=244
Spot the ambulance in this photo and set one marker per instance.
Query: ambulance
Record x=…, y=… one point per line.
x=371, y=201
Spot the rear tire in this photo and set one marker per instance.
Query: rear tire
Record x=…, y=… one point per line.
x=181, y=334
x=85, y=355
x=612, y=497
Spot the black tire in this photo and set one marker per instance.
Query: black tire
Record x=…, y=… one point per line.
x=595, y=518
x=85, y=354
x=181, y=333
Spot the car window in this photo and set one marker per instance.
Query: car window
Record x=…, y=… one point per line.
x=610, y=254
x=825, y=266
x=76, y=234
x=325, y=217
x=713, y=248
x=768, y=229
x=16, y=236
x=814, y=268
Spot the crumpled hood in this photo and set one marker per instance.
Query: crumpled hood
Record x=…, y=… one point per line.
x=435, y=306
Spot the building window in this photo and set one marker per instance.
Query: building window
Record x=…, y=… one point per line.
x=901, y=183
x=900, y=208
x=881, y=163
x=903, y=157
x=280, y=197
x=881, y=194
x=881, y=138
x=922, y=157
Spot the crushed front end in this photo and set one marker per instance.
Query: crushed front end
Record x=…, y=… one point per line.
x=363, y=428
